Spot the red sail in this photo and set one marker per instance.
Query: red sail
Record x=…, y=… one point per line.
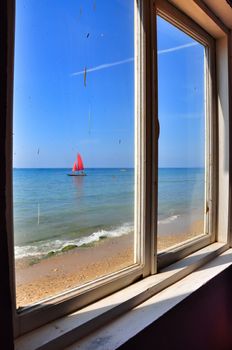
x=74, y=167
x=80, y=165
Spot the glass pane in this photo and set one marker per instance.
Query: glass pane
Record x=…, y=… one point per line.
x=73, y=143
x=181, y=194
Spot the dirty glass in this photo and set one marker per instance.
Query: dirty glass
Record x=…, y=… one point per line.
x=181, y=111
x=73, y=158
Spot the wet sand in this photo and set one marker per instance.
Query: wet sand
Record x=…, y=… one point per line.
x=40, y=279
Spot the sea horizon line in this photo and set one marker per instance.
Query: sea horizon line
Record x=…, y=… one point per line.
x=118, y=167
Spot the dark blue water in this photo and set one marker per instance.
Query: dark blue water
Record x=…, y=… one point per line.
x=52, y=209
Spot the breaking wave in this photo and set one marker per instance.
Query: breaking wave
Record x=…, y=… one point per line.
x=41, y=248
x=168, y=220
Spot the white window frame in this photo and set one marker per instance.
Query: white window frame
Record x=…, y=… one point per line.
x=177, y=18
x=147, y=73
x=76, y=298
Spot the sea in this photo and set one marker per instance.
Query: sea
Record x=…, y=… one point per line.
x=53, y=210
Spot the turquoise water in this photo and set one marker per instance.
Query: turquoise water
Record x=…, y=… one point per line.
x=181, y=191
x=52, y=209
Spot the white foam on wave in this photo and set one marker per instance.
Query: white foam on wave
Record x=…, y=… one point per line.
x=39, y=249
x=168, y=220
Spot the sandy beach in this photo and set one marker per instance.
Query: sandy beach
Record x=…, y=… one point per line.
x=170, y=240
x=48, y=277
x=40, y=279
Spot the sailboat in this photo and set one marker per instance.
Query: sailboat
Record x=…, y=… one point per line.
x=78, y=167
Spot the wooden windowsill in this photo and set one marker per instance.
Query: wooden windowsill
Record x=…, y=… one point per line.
x=156, y=294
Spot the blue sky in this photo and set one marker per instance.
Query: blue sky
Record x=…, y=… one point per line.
x=60, y=110
x=181, y=98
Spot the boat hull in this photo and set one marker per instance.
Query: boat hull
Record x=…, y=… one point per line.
x=76, y=174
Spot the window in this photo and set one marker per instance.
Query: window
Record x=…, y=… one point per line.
x=73, y=160
x=183, y=173
x=186, y=152
x=78, y=169
x=130, y=193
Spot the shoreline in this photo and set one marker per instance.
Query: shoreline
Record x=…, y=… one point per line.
x=70, y=269
x=60, y=272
